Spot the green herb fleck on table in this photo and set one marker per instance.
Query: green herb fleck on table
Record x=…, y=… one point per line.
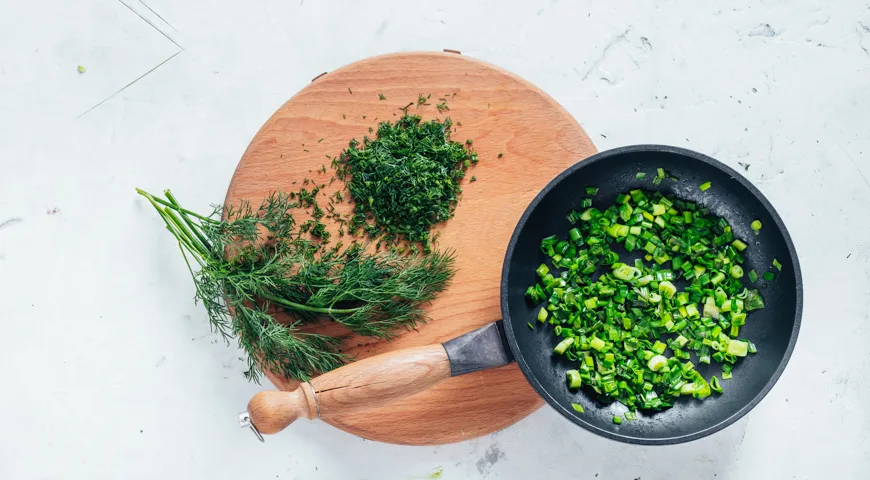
x=82, y=69
x=381, y=96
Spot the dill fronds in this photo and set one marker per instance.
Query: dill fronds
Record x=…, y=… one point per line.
x=245, y=261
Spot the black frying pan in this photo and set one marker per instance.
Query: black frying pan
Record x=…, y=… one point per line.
x=376, y=380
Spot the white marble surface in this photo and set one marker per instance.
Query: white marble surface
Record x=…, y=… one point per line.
x=108, y=370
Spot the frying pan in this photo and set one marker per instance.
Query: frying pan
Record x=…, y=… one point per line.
x=774, y=329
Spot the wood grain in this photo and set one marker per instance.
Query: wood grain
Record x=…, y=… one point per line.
x=359, y=386
x=272, y=411
x=501, y=113
x=378, y=380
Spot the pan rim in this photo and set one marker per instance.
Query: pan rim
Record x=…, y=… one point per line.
x=524, y=366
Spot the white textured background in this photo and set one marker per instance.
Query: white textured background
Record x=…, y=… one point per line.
x=108, y=370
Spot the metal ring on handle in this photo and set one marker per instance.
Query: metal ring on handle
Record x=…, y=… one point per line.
x=245, y=421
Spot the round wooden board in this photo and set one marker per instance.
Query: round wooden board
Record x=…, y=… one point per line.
x=501, y=113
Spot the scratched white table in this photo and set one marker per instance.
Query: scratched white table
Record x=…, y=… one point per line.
x=109, y=370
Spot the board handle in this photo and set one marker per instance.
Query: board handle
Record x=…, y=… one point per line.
x=361, y=385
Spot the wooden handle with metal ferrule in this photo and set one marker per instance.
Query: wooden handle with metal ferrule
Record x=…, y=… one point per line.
x=357, y=386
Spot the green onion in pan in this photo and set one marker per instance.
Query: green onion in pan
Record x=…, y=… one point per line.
x=755, y=226
x=640, y=175
x=628, y=326
x=704, y=186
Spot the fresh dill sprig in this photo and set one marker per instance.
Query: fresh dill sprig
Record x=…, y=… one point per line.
x=246, y=261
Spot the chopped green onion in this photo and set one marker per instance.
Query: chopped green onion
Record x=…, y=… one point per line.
x=737, y=348
x=667, y=289
x=618, y=325
x=563, y=345
x=575, y=235
x=704, y=186
x=530, y=325
x=591, y=190
x=715, y=385
x=578, y=408
x=597, y=344
x=575, y=380
x=617, y=419
x=640, y=175
x=753, y=277
x=657, y=362
x=739, y=245
x=625, y=273
x=752, y=348
x=769, y=276
x=688, y=389
x=591, y=303
x=756, y=226
x=776, y=264
x=711, y=311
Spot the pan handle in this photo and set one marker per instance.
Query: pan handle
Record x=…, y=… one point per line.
x=357, y=386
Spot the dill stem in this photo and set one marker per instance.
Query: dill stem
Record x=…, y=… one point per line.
x=193, y=227
x=179, y=225
x=299, y=306
x=175, y=207
x=172, y=226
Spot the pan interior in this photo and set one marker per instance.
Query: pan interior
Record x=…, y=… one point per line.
x=773, y=329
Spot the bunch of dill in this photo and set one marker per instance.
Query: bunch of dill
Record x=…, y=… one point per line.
x=405, y=180
x=245, y=261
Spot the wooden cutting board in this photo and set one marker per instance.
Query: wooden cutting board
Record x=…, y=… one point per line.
x=501, y=113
